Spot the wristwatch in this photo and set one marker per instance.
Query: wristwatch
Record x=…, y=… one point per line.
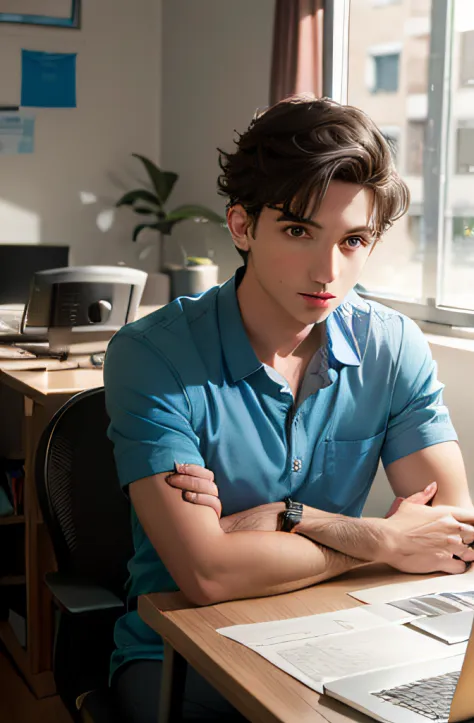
x=290, y=516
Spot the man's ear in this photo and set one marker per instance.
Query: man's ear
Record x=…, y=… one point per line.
x=238, y=222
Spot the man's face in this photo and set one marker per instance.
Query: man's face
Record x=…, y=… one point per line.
x=307, y=267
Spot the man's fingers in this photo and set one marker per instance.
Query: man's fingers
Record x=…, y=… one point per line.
x=207, y=500
x=423, y=497
x=454, y=567
x=195, y=470
x=455, y=546
x=466, y=532
x=193, y=484
x=467, y=554
x=463, y=514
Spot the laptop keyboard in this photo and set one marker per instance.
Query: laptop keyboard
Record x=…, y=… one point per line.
x=430, y=697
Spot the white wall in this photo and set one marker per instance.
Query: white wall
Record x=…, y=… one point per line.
x=85, y=149
x=216, y=72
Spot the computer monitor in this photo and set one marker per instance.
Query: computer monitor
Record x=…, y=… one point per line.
x=81, y=304
x=18, y=263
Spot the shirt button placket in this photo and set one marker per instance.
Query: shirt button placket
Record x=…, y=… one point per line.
x=297, y=464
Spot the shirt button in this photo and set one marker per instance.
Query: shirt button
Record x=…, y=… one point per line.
x=297, y=465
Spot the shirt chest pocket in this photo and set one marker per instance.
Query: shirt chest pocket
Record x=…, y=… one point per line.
x=349, y=470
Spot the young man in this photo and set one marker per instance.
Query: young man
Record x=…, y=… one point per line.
x=282, y=383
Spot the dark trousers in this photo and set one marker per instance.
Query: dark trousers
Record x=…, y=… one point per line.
x=136, y=693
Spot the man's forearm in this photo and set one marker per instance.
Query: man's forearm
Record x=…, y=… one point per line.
x=255, y=564
x=362, y=538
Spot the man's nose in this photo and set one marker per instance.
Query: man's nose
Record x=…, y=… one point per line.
x=325, y=267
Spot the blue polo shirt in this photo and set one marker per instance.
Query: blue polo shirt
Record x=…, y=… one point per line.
x=184, y=384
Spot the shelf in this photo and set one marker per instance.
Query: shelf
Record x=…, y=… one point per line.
x=12, y=520
x=42, y=684
x=12, y=580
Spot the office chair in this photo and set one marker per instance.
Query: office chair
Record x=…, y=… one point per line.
x=88, y=519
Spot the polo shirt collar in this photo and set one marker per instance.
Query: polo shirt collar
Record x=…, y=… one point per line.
x=346, y=328
x=238, y=352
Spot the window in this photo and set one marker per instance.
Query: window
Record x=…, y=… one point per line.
x=386, y=73
x=425, y=264
x=415, y=141
x=392, y=136
x=467, y=58
x=465, y=149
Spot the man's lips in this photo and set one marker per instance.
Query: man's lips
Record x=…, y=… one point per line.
x=324, y=296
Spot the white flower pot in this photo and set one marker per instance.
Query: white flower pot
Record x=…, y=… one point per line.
x=192, y=280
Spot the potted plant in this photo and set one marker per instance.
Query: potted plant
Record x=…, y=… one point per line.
x=196, y=274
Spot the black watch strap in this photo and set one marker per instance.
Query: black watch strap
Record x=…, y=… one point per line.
x=291, y=515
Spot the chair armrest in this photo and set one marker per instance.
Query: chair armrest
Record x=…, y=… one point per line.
x=80, y=596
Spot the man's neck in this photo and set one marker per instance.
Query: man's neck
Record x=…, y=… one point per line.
x=273, y=333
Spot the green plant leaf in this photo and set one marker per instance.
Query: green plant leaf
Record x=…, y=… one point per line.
x=183, y=213
x=141, y=226
x=143, y=210
x=198, y=261
x=163, y=181
x=140, y=194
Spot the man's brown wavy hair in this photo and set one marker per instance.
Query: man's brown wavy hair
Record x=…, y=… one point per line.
x=291, y=152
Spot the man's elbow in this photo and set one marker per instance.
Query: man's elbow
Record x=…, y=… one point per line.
x=202, y=592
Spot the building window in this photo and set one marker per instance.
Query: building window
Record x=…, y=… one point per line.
x=465, y=150
x=415, y=144
x=386, y=73
x=392, y=136
x=467, y=58
x=463, y=228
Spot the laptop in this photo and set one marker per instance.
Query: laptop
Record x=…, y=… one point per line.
x=438, y=690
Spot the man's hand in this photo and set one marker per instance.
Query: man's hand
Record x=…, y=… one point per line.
x=197, y=484
x=419, y=498
x=423, y=539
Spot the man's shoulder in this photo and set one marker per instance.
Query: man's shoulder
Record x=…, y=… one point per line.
x=376, y=325
x=175, y=334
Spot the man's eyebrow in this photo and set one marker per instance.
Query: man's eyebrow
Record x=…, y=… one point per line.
x=288, y=216
x=361, y=229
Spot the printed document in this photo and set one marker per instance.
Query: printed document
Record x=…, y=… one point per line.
x=317, y=649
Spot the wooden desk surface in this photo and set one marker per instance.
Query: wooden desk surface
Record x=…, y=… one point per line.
x=40, y=384
x=261, y=691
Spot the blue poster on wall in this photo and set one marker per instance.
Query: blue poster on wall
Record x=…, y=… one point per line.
x=48, y=79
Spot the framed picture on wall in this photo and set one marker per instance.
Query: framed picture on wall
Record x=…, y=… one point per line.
x=58, y=13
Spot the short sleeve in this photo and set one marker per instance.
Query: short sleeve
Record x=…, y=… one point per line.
x=418, y=416
x=149, y=409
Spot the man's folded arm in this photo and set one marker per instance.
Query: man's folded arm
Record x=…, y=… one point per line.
x=211, y=566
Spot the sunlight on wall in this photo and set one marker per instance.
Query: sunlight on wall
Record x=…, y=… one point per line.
x=17, y=225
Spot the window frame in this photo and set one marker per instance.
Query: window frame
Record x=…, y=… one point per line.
x=435, y=154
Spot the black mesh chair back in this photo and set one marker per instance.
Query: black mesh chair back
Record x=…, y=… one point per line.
x=87, y=515
x=88, y=519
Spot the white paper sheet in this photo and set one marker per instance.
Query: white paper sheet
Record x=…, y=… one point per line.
x=455, y=628
x=397, y=591
x=318, y=648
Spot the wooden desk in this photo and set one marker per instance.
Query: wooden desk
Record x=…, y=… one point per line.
x=260, y=691
x=43, y=394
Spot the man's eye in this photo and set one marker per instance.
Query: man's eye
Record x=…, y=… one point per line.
x=355, y=242
x=295, y=231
